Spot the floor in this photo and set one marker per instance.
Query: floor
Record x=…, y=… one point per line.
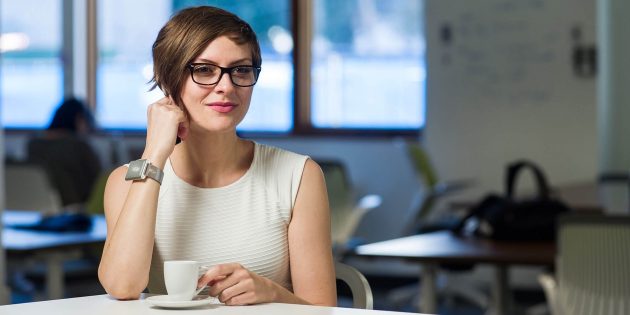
x=31, y=288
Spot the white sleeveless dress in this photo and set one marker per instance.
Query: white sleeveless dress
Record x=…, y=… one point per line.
x=245, y=222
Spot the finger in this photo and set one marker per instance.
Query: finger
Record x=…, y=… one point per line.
x=213, y=282
x=241, y=299
x=235, y=290
x=164, y=101
x=214, y=273
x=218, y=286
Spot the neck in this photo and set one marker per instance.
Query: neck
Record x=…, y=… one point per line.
x=211, y=159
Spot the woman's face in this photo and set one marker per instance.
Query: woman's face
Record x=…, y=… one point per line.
x=222, y=106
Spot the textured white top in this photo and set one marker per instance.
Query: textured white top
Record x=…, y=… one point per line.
x=244, y=222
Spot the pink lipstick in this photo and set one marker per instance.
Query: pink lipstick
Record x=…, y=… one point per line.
x=222, y=107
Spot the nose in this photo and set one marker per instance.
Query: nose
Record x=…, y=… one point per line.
x=225, y=83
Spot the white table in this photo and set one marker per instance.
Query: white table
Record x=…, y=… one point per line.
x=105, y=305
x=50, y=247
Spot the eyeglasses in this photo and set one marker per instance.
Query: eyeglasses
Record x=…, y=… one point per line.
x=209, y=74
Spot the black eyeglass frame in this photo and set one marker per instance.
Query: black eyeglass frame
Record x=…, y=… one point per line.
x=191, y=66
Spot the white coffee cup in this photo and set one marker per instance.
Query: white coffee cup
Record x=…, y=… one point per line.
x=180, y=278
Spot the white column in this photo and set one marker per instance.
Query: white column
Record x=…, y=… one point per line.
x=613, y=96
x=79, y=49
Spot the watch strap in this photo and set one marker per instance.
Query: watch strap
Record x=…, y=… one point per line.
x=141, y=169
x=155, y=173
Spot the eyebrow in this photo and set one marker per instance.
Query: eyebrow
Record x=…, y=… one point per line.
x=235, y=62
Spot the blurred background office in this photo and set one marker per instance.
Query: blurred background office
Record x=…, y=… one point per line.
x=474, y=84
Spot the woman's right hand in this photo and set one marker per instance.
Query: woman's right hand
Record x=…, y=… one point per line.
x=165, y=122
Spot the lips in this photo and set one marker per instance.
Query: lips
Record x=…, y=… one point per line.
x=222, y=107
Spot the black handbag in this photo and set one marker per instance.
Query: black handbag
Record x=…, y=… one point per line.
x=506, y=218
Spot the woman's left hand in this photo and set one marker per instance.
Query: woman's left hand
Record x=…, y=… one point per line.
x=233, y=284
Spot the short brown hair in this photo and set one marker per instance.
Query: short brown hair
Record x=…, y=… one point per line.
x=186, y=35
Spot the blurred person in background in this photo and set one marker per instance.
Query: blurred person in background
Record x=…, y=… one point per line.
x=64, y=151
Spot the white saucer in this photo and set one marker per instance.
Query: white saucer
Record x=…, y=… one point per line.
x=166, y=302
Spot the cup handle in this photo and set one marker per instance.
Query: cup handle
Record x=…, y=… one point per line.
x=202, y=269
x=200, y=289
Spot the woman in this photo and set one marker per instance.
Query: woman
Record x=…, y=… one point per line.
x=258, y=214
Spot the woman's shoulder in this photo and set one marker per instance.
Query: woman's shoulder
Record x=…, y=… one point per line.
x=277, y=163
x=267, y=152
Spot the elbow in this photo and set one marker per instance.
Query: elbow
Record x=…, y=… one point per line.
x=123, y=293
x=329, y=303
x=120, y=289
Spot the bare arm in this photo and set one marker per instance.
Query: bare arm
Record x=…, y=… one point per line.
x=312, y=268
x=130, y=210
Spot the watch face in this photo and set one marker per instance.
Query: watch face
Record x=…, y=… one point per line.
x=136, y=170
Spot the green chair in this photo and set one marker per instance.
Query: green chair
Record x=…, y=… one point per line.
x=346, y=210
x=94, y=203
x=433, y=191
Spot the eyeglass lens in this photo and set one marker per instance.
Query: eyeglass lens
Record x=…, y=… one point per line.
x=209, y=74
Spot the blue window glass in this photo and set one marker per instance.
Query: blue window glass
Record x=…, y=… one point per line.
x=368, y=69
x=31, y=69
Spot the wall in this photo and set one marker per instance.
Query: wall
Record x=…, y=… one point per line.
x=502, y=86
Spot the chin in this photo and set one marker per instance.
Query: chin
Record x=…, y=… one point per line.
x=221, y=128
x=218, y=124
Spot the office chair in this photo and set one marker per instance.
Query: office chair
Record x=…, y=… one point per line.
x=433, y=191
x=346, y=211
x=72, y=166
x=592, y=266
x=422, y=222
x=359, y=286
x=29, y=188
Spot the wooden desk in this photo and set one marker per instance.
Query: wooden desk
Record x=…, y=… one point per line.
x=104, y=305
x=51, y=247
x=432, y=249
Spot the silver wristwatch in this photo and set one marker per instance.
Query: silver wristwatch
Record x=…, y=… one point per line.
x=141, y=169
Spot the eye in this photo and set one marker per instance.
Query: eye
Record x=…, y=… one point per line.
x=205, y=70
x=243, y=71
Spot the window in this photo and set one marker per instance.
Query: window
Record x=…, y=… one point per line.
x=367, y=69
x=31, y=73
x=125, y=65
